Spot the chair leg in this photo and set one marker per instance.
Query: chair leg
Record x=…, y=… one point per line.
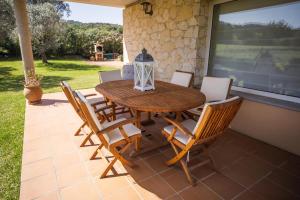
x=79, y=129
x=212, y=160
x=121, y=158
x=103, y=175
x=187, y=172
x=91, y=141
x=87, y=138
x=130, y=112
x=113, y=110
x=118, y=156
x=96, y=152
x=184, y=166
x=178, y=156
x=138, y=144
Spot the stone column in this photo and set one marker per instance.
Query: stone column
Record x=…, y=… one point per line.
x=24, y=36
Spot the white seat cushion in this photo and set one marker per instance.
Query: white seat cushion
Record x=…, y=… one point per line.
x=197, y=110
x=95, y=99
x=115, y=135
x=181, y=137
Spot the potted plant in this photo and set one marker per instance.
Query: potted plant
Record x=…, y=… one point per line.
x=32, y=90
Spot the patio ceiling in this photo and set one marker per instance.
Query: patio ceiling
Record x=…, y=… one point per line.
x=111, y=3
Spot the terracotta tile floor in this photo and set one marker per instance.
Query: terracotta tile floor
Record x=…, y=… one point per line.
x=55, y=167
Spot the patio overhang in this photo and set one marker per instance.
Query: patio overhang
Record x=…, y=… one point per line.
x=111, y=3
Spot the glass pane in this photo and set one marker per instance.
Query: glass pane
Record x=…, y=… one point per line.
x=258, y=47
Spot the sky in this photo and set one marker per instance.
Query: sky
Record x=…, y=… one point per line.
x=288, y=12
x=93, y=13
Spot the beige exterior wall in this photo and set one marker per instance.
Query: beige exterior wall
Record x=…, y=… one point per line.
x=277, y=126
x=176, y=37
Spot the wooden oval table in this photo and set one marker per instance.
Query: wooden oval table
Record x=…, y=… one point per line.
x=165, y=98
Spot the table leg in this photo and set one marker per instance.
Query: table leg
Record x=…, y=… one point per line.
x=138, y=118
x=149, y=116
x=114, y=111
x=149, y=120
x=138, y=144
x=178, y=116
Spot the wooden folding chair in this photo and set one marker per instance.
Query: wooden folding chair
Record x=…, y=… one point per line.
x=114, y=75
x=213, y=121
x=116, y=136
x=102, y=113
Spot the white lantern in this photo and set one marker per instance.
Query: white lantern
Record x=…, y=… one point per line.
x=144, y=71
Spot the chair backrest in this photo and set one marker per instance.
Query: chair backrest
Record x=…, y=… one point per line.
x=216, y=89
x=105, y=76
x=128, y=72
x=71, y=98
x=91, y=117
x=216, y=117
x=182, y=78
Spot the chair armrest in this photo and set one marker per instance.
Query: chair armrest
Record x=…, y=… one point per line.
x=118, y=125
x=89, y=95
x=178, y=126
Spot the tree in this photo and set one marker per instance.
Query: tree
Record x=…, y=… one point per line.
x=53, y=36
x=7, y=21
x=46, y=27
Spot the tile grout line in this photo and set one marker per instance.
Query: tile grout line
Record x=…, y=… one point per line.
x=249, y=187
x=159, y=173
x=129, y=183
x=259, y=180
x=211, y=190
x=60, y=188
x=206, y=177
x=91, y=178
x=280, y=168
x=21, y=181
x=270, y=163
x=282, y=187
x=57, y=188
x=138, y=193
x=56, y=177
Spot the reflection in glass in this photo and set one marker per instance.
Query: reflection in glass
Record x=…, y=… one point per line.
x=258, y=47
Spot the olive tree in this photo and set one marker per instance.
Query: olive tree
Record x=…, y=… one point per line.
x=7, y=22
x=46, y=27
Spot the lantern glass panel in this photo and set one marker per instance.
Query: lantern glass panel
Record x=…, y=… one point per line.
x=144, y=72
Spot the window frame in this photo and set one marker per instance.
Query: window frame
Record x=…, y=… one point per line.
x=240, y=90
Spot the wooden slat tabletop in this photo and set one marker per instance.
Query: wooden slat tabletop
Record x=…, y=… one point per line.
x=166, y=97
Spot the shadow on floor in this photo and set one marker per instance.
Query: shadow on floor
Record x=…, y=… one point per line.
x=48, y=102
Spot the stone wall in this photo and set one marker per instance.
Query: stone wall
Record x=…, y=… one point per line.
x=175, y=35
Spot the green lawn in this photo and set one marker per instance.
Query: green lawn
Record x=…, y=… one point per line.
x=12, y=106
